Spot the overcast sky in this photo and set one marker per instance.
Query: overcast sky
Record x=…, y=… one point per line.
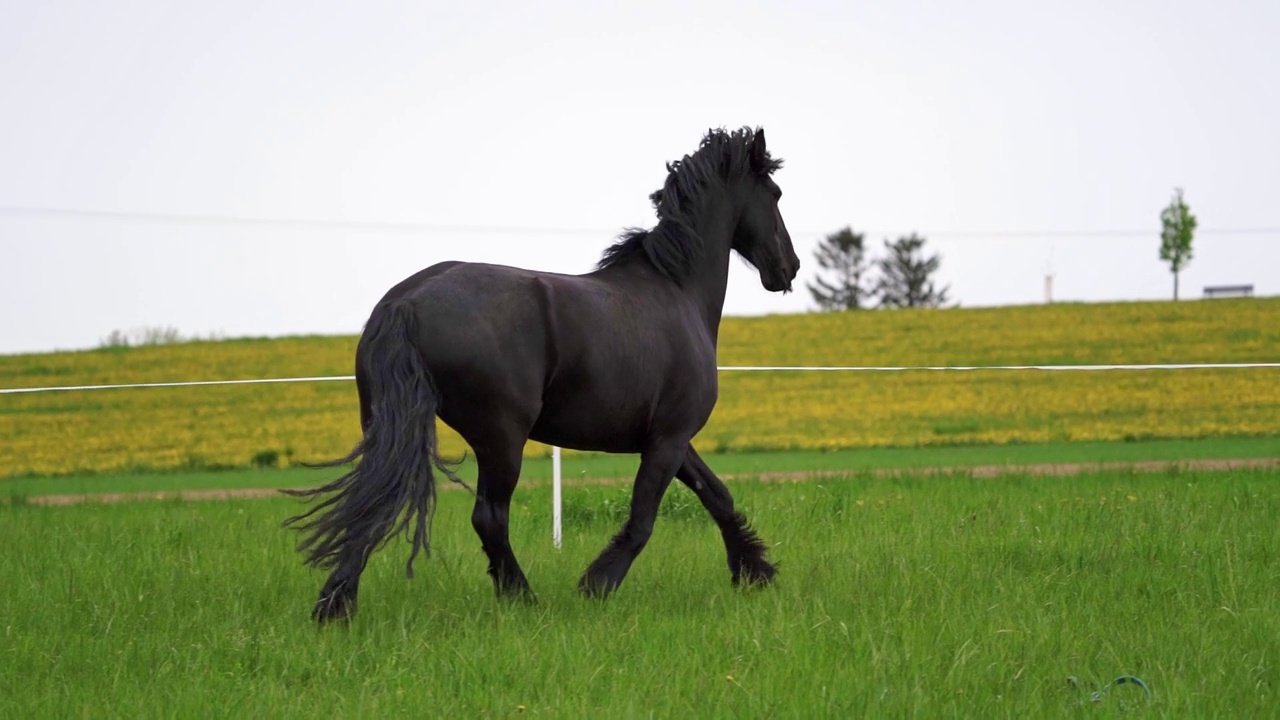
x=267, y=168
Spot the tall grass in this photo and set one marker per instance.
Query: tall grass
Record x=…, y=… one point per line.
x=897, y=597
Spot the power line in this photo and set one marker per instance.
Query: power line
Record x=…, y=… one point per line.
x=419, y=228
x=242, y=221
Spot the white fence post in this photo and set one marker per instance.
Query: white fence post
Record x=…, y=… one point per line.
x=557, y=536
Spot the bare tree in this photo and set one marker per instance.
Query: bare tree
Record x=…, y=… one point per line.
x=842, y=256
x=905, y=275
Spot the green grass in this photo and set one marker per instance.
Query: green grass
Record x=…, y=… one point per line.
x=588, y=467
x=897, y=597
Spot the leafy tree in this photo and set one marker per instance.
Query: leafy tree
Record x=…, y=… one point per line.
x=842, y=255
x=1179, y=226
x=905, y=275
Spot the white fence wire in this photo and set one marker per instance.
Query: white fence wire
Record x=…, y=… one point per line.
x=727, y=368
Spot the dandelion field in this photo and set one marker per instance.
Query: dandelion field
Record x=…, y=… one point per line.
x=283, y=425
x=914, y=596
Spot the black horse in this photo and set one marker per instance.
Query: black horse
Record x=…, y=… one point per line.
x=620, y=360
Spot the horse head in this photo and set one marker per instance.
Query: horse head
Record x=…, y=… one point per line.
x=761, y=235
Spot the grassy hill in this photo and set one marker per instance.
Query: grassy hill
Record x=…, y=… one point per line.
x=238, y=426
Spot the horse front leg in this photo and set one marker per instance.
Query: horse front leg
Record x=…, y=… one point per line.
x=657, y=467
x=744, y=549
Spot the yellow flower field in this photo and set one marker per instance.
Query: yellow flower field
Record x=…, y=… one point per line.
x=70, y=432
x=845, y=410
x=1062, y=334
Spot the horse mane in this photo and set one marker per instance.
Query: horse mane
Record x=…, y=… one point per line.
x=673, y=246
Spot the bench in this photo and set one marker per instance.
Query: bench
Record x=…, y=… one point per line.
x=1213, y=291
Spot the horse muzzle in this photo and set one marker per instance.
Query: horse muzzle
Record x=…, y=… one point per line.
x=787, y=272
x=779, y=281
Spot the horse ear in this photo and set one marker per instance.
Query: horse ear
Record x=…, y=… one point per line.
x=759, y=153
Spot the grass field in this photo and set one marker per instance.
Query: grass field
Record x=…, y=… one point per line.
x=243, y=427
x=908, y=597
x=579, y=469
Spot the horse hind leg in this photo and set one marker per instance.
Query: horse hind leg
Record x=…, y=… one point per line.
x=339, y=593
x=607, y=572
x=499, y=472
x=744, y=549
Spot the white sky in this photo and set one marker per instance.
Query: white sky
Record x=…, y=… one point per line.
x=385, y=127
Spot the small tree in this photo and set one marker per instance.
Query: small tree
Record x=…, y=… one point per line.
x=905, y=275
x=1179, y=227
x=842, y=255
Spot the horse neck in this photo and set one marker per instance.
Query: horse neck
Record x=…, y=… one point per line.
x=714, y=222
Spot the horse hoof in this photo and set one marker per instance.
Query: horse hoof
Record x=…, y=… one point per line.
x=333, y=609
x=596, y=588
x=756, y=575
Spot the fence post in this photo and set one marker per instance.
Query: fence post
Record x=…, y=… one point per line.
x=557, y=535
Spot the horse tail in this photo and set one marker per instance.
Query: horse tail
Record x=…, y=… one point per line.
x=393, y=486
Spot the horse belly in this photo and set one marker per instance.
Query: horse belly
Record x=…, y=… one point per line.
x=591, y=429
x=622, y=415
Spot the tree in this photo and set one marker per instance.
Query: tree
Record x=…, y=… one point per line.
x=1179, y=226
x=842, y=255
x=905, y=275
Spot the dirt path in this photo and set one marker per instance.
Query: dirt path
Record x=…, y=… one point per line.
x=978, y=471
